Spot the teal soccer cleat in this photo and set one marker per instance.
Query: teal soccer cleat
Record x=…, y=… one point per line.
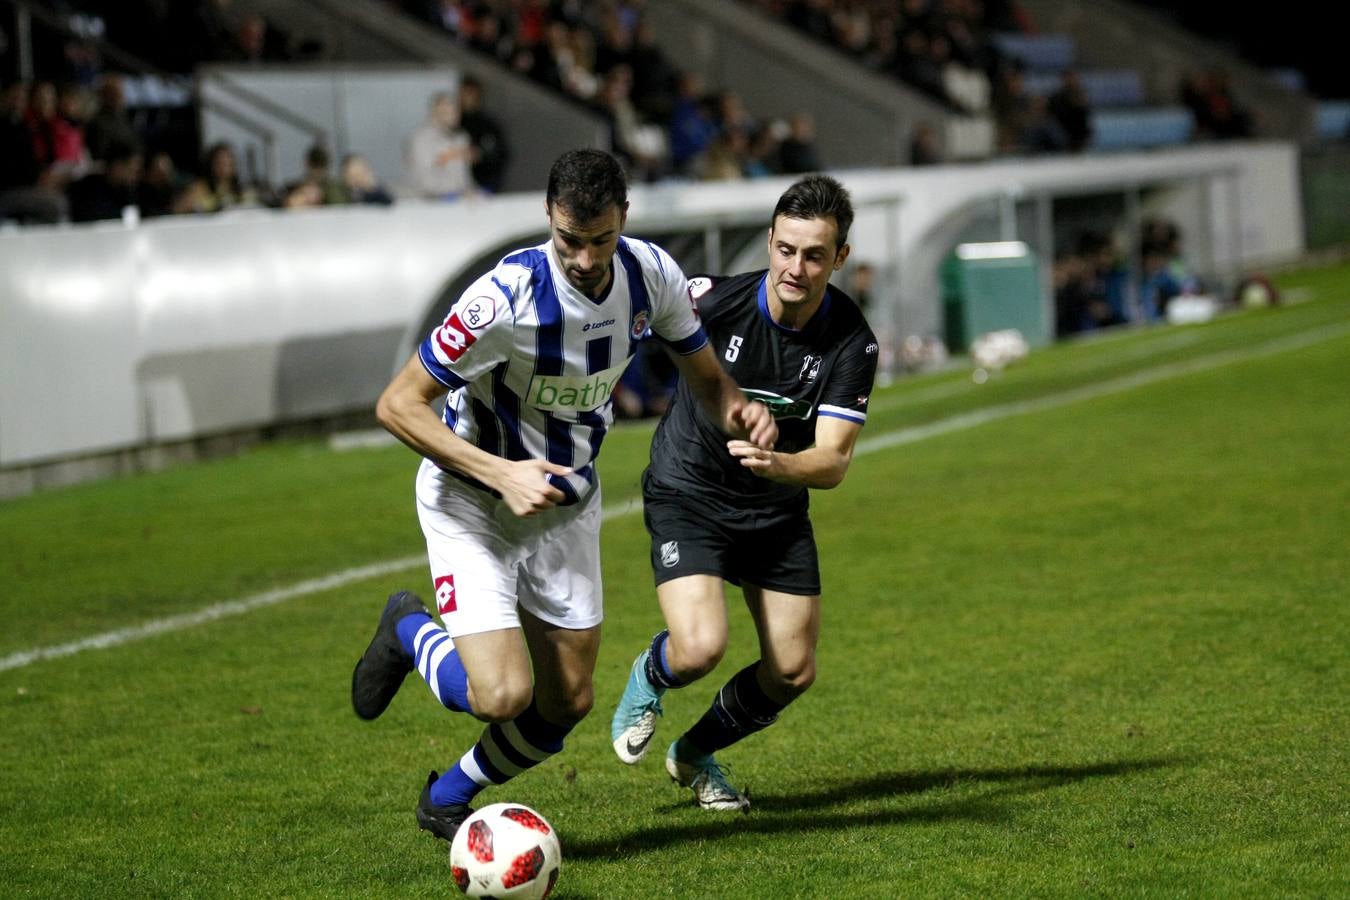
x=634, y=720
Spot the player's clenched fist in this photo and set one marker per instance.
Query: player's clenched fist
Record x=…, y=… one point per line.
x=753, y=422
x=525, y=486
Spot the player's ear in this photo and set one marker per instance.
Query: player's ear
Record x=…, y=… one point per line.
x=623, y=215
x=840, y=257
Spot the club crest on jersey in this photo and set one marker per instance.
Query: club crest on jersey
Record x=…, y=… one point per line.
x=445, y=594
x=641, y=325
x=453, y=338
x=810, y=369
x=670, y=554
x=479, y=313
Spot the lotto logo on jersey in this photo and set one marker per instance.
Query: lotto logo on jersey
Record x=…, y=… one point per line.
x=453, y=338
x=445, y=594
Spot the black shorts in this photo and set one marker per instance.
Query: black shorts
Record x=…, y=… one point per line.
x=773, y=549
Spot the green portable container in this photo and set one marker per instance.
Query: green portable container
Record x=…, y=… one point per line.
x=990, y=287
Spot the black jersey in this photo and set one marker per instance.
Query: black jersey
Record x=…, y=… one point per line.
x=825, y=369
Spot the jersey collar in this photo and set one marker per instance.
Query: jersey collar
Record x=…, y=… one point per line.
x=816, y=321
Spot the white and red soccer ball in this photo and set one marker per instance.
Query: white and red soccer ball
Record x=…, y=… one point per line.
x=506, y=850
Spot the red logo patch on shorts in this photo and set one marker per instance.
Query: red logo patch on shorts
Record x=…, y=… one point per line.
x=445, y=594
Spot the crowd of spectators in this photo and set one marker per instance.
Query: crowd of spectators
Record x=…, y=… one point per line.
x=68, y=154
x=941, y=47
x=179, y=36
x=1029, y=124
x=1218, y=115
x=71, y=150
x=1094, y=287
x=946, y=49
x=664, y=121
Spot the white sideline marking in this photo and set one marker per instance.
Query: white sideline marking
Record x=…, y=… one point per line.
x=869, y=445
x=978, y=417
x=239, y=607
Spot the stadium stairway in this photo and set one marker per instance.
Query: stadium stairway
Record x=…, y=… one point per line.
x=375, y=34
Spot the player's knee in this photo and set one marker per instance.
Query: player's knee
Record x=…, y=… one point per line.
x=566, y=706
x=574, y=708
x=570, y=709
x=502, y=702
x=795, y=677
x=697, y=654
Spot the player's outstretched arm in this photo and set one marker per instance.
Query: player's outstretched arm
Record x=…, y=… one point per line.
x=821, y=466
x=723, y=401
x=404, y=409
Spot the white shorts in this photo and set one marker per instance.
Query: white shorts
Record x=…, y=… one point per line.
x=485, y=560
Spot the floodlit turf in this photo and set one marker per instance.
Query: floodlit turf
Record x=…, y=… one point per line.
x=1094, y=645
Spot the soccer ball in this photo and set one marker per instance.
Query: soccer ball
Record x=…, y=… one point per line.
x=506, y=850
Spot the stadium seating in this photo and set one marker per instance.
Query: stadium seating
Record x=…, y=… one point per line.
x=1333, y=120
x=1121, y=129
x=1038, y=52
x=1104, y=87
x=155, y=91
x=1120, y=120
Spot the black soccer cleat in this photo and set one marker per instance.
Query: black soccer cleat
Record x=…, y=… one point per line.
x=442, y=821
x=381, y=670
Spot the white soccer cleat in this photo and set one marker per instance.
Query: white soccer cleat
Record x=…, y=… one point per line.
x=708, y=781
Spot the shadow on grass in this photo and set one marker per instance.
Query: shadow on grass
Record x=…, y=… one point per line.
x=812, y=810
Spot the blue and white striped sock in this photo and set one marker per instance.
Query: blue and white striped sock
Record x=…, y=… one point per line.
x=503, y=751
x=436, y=659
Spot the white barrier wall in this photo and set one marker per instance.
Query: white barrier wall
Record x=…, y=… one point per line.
x=115, y=337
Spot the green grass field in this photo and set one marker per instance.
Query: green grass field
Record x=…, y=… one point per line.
x=1085, y=634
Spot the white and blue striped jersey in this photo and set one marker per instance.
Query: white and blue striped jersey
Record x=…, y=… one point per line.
x=531, y=362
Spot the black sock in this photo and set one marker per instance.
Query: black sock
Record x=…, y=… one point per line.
x=740, y=709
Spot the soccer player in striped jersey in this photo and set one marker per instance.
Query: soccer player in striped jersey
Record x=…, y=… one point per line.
x=507, y=492
x=801, y=346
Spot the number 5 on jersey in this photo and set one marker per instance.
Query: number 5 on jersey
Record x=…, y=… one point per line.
x=733, y=348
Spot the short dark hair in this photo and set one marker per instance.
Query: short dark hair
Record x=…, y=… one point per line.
x=586, y=183
x=815, y=197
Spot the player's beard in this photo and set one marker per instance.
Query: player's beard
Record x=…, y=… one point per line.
x=588, y=283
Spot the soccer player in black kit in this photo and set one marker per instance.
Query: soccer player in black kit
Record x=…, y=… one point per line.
x=802, y=347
